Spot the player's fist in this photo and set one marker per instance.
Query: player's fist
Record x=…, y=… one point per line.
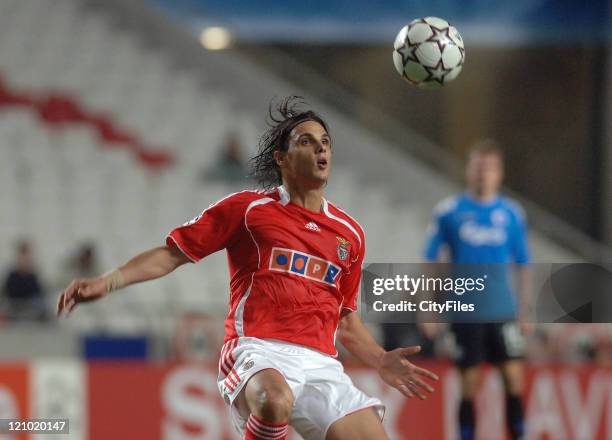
x=81, y=290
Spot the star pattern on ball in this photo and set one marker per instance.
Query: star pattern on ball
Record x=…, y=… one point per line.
x=435, y=41
x=440, y=36
x=408, y=53
x=410, y=80
x=437, y=73
x=462, y=51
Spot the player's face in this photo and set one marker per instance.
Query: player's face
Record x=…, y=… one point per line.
x=308, y=158
x=484, y=173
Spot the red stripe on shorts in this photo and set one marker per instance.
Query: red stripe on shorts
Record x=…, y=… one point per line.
x=226, y=351
x=228, y=386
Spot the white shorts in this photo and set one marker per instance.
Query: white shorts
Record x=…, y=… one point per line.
x=322, y=391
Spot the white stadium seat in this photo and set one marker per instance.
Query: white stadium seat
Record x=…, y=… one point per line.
x=64, y=184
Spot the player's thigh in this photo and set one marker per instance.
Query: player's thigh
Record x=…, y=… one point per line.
x=360, y=425
x=265, y=385
x=505, y=341
x=472, y=350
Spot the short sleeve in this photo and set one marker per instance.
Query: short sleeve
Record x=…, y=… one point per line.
x=434, y=239
x=211, y=231
x=520, y=247
x=435, y=236
x=349, y=285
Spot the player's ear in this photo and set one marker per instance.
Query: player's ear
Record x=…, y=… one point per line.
x=279, y=157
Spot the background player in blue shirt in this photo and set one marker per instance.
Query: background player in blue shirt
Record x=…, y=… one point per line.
x=482, y=227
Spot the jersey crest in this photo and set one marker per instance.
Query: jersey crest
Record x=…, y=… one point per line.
x=343, y=247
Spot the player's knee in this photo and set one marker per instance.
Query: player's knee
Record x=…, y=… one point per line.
x=469, y=383
x=513, y=384
x=513, y=381
x=273, y=404
x=468, y=392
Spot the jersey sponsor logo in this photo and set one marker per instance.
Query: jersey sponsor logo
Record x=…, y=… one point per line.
x=499, y=217
x=313, y=227
x=478, y=235
x=281, y=259
x=305, y=265
x=298, y=263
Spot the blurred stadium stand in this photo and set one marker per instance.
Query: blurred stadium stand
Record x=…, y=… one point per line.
x=74, y=73
x=109, y=112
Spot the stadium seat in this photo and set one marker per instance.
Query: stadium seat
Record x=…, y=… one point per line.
x=91, y=118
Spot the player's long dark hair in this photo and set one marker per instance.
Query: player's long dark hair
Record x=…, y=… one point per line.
x=281, y=120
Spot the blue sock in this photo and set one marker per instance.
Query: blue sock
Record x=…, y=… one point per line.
x=514, y=416
x=467, y=420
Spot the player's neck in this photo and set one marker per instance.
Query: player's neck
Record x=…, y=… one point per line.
x=308, y=198
x=482, y=196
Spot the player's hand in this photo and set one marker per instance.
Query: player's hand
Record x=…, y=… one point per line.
x=527, y=328
x=403, y=375
x=526, y=325
x=78, y=291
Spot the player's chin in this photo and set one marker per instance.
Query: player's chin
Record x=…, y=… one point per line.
x=315, y=181
x=321, y=176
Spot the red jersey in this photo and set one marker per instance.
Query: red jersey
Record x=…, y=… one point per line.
x=292, y=270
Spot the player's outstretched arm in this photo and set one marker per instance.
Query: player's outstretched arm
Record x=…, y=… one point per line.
x=392, y=366
x=149, y=265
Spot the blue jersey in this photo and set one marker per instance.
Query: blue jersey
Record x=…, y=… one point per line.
x=492, y=233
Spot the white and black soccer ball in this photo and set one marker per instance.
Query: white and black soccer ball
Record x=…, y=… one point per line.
x=428, y=52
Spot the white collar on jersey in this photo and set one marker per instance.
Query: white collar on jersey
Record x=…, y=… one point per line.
x=284, y=195
x=284, y=198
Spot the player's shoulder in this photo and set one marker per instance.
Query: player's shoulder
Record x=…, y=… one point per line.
x=447, y=205
x=514, y=207
x=332, y=210
x=245, y=198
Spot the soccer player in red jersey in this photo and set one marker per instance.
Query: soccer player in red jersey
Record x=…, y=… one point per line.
x=295, y=266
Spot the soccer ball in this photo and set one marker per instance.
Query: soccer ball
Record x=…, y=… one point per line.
x=428, y=52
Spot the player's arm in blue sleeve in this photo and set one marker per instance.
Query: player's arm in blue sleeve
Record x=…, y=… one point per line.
x=520, y=245
x=522, y=257
x=434, y=239
x=436, y=231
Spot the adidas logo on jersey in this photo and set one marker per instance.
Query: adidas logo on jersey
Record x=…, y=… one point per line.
x=313, y=227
